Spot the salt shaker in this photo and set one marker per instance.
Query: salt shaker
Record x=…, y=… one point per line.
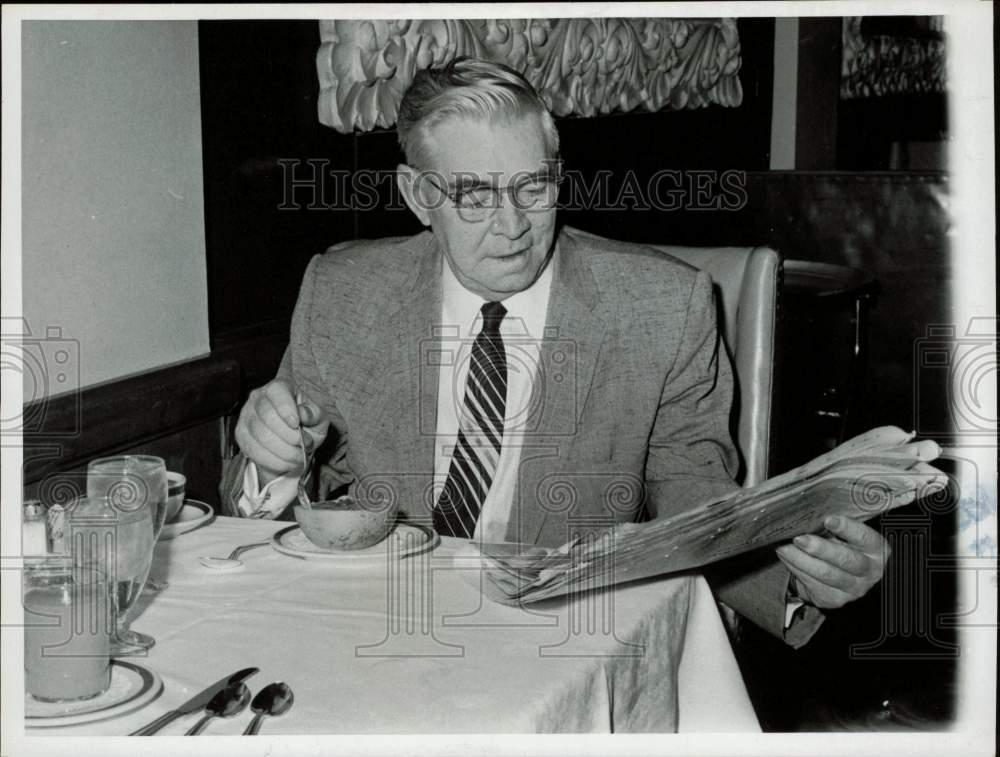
x=34, y=529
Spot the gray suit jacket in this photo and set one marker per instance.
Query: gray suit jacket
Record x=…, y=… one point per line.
x=629, y=416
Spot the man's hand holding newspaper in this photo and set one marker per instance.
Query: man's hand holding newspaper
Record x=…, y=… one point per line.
x=831, y=495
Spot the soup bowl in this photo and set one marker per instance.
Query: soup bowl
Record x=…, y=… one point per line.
x=343, y=524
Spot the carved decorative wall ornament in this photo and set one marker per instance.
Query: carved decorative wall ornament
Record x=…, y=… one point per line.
x=890, y=64
x=582, y=66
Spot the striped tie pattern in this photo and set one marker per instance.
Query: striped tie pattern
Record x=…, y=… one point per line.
x=480, y=431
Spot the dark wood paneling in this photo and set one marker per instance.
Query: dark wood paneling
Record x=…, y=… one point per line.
x=867, y=128
x=130, y=413
x=378, y=154
x=194, y=451
x=818, y=93
x=257, y=350
x=259, y=90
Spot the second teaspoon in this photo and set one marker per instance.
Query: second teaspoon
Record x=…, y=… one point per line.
x=232, y=700
x=274, y=699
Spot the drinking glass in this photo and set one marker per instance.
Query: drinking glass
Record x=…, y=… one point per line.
x=132, y=490
x=176, y=483
x=67, y=629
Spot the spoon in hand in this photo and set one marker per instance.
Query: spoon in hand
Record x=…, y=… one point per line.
x=274, y=699
x=232, y=700
x=307, y=461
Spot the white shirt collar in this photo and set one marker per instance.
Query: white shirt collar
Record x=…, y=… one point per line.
x=525, y=309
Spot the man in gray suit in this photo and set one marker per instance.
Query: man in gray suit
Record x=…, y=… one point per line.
x=508, y=380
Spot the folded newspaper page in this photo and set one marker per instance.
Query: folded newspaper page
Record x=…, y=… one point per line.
x=874, y=472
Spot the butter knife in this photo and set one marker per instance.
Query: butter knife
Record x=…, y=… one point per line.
x=195, y=703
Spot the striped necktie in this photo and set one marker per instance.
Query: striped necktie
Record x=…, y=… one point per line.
x=480, y=431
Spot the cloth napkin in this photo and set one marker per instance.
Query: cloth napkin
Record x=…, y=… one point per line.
x=268, y=502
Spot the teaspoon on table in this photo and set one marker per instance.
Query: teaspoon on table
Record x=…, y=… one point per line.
x=227, y=563
x=274, y=699
x=232, y=700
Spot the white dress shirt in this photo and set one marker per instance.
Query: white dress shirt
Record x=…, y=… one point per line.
x=521, y=329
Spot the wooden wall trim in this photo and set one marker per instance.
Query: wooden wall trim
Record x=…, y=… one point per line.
x=116, y=415
x=258, y=349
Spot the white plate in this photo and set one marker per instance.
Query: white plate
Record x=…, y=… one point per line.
x=406, y=538
x=132, y=687
x=193, y=514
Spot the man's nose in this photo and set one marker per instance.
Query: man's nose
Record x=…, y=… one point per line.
x=509, y=220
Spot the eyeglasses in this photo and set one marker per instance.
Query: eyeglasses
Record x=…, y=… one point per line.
x=535, y=193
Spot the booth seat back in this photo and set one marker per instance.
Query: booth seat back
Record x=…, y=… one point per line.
x=747, y=281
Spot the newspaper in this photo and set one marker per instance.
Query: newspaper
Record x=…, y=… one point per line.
x=874, y=472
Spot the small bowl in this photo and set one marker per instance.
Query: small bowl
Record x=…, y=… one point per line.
x=342, y=524
x=176, y=484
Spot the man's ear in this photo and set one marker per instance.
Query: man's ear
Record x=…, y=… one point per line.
x=407, y=179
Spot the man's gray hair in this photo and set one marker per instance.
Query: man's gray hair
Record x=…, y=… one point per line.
x=472, y=88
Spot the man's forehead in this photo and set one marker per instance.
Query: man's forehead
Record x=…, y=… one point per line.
x=469, y=150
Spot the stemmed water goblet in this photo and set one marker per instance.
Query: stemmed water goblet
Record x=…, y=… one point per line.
x=130, y=491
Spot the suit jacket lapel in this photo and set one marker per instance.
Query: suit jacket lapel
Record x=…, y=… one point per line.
x=574, y=332
x=410, y=409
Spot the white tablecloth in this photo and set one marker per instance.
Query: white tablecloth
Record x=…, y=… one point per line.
x=415, y=649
